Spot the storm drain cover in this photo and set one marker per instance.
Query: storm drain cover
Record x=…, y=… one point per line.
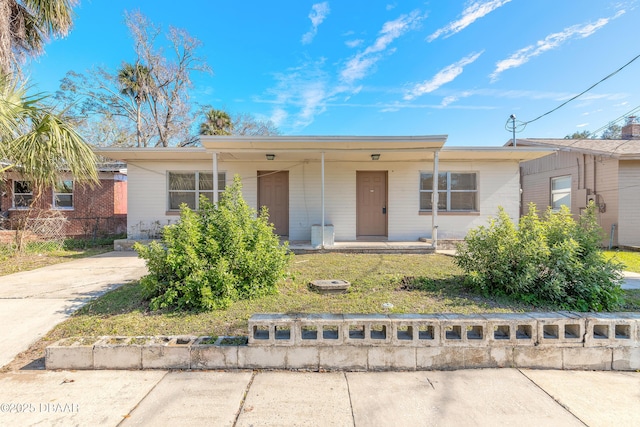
x=331, y=286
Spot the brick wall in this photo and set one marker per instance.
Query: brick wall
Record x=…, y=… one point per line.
x=96, y=210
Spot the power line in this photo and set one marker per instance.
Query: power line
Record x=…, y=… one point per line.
x=522, y=125
x=583, y=92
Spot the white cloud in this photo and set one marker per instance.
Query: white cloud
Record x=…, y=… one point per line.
x=357, y=67
x=582, y=125
x=447, y=100
x=319, y=12
x=550, y=42
x=444, y=76
x=300, y=94
x=391, y=6
x=354, y=43
x=469, y=15
x=278, y=116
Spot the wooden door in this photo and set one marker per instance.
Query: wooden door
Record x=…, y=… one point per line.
x=371, y=203
x=273, y=192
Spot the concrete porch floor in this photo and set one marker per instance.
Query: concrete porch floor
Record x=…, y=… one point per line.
x=369, y=247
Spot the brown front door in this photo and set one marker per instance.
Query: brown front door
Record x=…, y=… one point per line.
x=371, y=203
x=273, y=192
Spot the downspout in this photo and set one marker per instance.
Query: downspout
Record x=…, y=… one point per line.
x=434, y=202
x=215, y=178
x=322, y=199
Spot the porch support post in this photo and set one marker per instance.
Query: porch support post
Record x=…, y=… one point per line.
x=322, y=198
x=215, y=178
x=434, y=202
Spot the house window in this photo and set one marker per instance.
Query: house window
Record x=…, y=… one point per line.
x=187, y=187
x=63, y=195
x=457, y=192
x=561, y=192
x=22, y=194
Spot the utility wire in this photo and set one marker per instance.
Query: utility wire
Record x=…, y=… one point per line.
x=583, y=92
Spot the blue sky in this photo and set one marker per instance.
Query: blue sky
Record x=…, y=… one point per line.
x=404, y=67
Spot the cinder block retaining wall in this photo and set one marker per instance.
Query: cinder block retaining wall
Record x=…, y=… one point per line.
x=558, y=340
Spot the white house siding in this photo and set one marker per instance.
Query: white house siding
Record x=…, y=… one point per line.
x=498, y=186
x=629, y=224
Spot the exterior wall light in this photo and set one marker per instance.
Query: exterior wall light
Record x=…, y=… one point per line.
x=271, y=156
x=375, y=157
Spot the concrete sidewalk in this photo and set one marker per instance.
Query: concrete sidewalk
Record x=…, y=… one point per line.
x=631, y=280
x=33, y=302
x=483, y=397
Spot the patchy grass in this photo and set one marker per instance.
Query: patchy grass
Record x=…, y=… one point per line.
x=15, y=262
x=411, y=283
x=41, y=254
x=630, y=259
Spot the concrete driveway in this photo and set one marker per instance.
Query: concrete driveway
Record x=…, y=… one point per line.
x=33, y=302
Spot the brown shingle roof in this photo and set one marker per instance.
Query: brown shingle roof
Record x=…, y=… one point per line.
x=621, y=148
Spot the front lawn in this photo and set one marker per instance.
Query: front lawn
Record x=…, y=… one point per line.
x=631, y=260
x=411, y=283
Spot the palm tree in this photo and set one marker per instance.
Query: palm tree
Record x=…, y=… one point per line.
x=136, y=82
x=216, y=122
x=39, y=143
x=25, y=25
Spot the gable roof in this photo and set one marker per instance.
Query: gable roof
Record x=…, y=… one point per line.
x=626, y=149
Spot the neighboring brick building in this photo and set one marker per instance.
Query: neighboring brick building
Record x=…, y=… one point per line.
x=90, y=212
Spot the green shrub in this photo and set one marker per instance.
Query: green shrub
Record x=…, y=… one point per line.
x=549, y=260
x=214, y=256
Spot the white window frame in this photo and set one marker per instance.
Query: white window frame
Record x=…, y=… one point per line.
x=562, y=191
x=57, y=193
x=15, y=193
x=445, y=193
x=196, y=190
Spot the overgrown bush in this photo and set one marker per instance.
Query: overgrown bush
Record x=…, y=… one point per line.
x=214, y=256
x=550, y=259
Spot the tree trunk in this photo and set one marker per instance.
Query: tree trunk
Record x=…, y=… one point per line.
x=5, y=38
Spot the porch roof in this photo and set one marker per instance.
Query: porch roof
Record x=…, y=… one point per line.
x=336, y=148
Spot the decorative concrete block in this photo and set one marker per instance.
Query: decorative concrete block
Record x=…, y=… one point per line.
x=70, y=353
x=262, y=357
x=509, y=329
x=538, y=357
x=320, y=329
x=610, y=330
x=303, y=358
x=463, y=330
x=589, y=358
x=439, y=358
x=412, y=330
x=348, y=358
x=560, y=329
x=367, y=329
x=168, y=353
x=391, y=358
x=117, y=353
x=213, y=356
x=272, y=329
x=626, y=359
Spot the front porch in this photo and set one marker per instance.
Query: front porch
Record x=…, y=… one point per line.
x=422, y=246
